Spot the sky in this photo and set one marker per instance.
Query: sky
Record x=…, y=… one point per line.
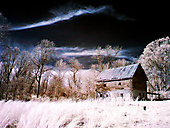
x=87, y=24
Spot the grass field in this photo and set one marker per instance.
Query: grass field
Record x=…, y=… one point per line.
x=87, y=114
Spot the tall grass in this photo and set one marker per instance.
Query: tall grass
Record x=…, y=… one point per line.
x=88, y=114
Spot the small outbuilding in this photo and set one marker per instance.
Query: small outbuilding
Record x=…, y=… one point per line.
x=125, y=82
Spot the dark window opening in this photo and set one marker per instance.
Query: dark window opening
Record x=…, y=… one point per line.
x=104, y=85
x=121, y=95
x=119, y=84
x=101, y=95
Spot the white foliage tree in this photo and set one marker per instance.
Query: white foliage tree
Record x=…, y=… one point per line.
x=156, y=63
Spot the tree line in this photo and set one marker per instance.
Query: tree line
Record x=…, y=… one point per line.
x=22, y=72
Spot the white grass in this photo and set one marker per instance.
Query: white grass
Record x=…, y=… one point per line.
x=88, y=114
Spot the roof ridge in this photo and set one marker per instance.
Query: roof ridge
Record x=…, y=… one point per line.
x=123, y=66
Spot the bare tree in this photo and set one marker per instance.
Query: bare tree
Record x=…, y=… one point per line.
x=42, y=53
x=100, y=60
x=75, y=66
x=111, y=54
x=45, y=84
x=8, y=60
x=23, y=78
x=105, y=57
x=61, y=66
x=90, y=85
x=120, y=63
x=74, y=82
x=56, y=85
x=16, y=78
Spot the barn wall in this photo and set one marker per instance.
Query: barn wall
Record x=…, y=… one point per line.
x=117, y=89
x=119, y=85
x=139, y=85
x=138, y=94
x=139, y=80
x=123, y=94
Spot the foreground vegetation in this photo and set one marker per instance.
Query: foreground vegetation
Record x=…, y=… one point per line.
x=88, y=113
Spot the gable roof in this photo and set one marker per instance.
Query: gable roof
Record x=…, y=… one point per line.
x=116, y=74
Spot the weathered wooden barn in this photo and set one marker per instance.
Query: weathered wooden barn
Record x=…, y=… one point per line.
x=126, y=82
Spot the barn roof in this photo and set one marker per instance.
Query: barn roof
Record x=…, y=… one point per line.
x=116, y=74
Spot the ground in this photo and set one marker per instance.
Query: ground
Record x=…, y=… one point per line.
x=89, y=114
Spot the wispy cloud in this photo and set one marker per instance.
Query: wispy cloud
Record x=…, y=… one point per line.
x=62, y=17
x=65, y=52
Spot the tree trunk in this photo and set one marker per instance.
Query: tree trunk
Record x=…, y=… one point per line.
x=38, y=89
x=39, y=80
x=1, y=92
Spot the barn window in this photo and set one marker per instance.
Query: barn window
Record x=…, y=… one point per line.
x=101, y=95
x=121, y=95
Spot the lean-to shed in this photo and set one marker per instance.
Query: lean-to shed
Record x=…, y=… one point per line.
x=128, y=81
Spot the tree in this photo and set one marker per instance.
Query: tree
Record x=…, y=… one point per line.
x=16, y=79
x=105, y=57
x=100, y=60
x=90, y=83
x=23, y=79
x=75, y=66
x=56, y=88
x=120, y=63
x=111, y=54
x=8, y=60
x=60, y=65
x=74, y=82
x=156, y=62
x=42, y=53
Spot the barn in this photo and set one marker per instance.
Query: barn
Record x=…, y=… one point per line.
x=128, y=81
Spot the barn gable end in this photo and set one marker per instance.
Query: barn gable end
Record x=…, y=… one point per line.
x=139, y=79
